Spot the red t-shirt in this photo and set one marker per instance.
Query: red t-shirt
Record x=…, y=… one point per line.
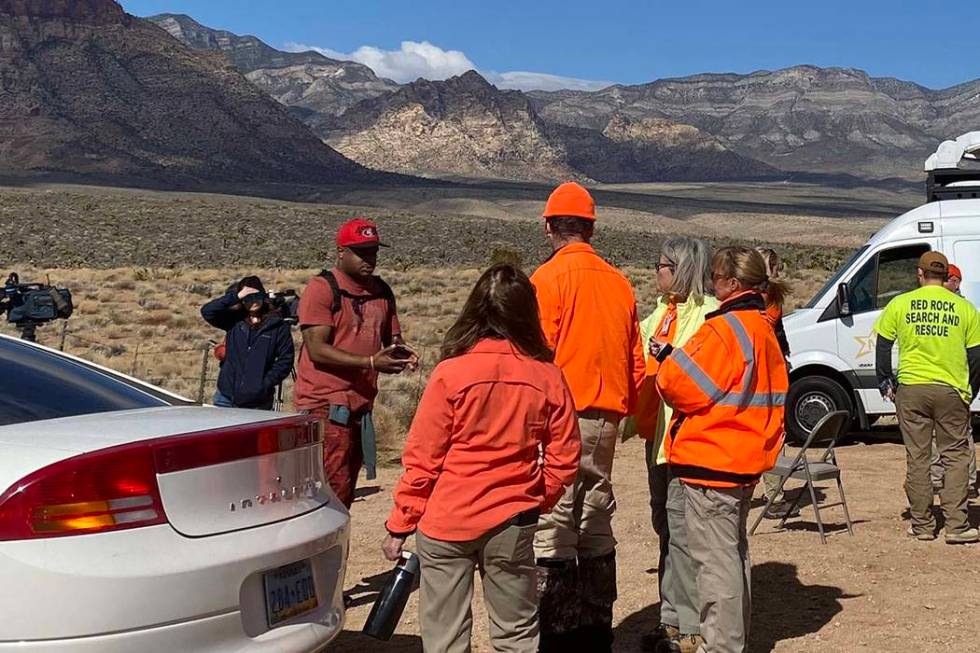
x=364, y=334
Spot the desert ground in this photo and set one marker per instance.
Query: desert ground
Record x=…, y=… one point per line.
x=140, y=265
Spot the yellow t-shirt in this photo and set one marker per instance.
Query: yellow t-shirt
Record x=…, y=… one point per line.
x=933, y=328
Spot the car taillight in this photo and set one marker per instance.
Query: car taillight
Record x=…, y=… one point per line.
x=95, y=492
x=116, y=488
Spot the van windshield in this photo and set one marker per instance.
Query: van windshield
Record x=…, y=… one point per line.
x=834, y=280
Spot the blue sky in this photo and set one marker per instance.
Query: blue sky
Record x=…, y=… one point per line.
x=597, y=41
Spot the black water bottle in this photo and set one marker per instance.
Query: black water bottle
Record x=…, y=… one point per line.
x=391, y=602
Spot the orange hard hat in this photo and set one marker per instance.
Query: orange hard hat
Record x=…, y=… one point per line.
x=570, y=200
x=955, y=272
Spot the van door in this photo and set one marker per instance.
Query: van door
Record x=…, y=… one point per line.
x=887, y=274
x=966, y=254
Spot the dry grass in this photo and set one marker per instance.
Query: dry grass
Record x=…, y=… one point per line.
x=146, y=322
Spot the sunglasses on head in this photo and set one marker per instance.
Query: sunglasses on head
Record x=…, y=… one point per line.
x=254, y=298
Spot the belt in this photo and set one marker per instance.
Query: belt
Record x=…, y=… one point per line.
x=594, y=413
x=526, y=518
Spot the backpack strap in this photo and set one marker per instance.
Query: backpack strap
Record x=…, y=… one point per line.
x=338, y=293
x=334, y=289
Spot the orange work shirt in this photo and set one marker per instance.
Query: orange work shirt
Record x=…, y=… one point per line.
x=362, y=329
x=495, y=435
x=588, y=314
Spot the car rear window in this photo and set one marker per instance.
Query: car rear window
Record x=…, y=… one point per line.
x=36, y=384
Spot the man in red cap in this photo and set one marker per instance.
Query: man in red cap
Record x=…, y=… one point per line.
x=350, y=334
x=588, y=314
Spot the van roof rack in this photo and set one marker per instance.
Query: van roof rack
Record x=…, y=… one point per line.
x=948, y=175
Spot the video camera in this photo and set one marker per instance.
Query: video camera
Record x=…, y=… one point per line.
x=29, y=305
x=287, y=303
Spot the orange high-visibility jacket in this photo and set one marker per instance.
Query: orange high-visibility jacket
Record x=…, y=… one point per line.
x=728, y=388
x=588, y=315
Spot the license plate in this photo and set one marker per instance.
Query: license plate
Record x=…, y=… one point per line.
x=289, y=591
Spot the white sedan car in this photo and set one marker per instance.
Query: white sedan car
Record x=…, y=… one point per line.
x=136, y=521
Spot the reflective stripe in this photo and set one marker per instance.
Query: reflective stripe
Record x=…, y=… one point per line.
x=748, y=352
x=700, y=378
x=767, y=400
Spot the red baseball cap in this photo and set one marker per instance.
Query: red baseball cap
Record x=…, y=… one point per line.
x=359, y=232
x=955, y=272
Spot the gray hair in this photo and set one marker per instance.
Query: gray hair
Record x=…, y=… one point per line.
x=692, y=271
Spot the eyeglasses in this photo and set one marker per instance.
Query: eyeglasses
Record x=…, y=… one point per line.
x=715, y=276
x=661, y=266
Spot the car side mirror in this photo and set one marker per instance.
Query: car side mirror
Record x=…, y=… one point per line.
x=843, y=300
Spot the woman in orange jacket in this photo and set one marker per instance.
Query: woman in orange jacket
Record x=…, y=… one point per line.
x=494, y=443
x=728, y=387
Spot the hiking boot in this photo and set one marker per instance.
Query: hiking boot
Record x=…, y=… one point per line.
x=780, y=508
x=661, y=633
x=969, y=536
x=681, y=644
x=923, y=536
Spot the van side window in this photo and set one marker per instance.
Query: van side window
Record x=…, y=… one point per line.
x=896, y=272
x=885, y=276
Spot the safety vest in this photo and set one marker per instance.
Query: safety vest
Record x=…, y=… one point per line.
x=728, y=388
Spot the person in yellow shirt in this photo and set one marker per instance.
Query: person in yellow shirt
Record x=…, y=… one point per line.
x=684, y=281
x=938, y=337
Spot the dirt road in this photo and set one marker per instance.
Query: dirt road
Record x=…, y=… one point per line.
x=876, y=591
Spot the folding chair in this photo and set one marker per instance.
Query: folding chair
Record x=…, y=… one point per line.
x=802, y=468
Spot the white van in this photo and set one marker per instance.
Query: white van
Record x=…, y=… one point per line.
x=831, y=338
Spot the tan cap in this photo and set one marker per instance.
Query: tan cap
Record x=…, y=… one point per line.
x=934, y=262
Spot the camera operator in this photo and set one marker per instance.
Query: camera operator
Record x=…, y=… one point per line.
x=258, y=345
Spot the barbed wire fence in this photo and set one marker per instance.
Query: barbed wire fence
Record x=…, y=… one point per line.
x=207, y=366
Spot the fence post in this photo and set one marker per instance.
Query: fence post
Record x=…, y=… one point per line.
x=64, y=335
x=418, y=382
x=204, y=372
x=136, y=358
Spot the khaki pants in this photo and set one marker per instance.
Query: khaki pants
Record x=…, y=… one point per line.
x=580, y=526
x=505, y=560
x=937, y=474
x=922, y=411
x=680, y=605
x=719, y=546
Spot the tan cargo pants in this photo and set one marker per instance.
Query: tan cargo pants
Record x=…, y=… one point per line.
x=580, y=526
x=922, y=411
x=719, y=545
x=505, y=560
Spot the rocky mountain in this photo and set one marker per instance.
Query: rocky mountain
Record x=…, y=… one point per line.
x=835, y=120
x=90, y=90
x=461, y=126
x=307, y=81
x=465, y=126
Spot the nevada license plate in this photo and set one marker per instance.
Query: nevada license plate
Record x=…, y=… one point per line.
x=289, y=592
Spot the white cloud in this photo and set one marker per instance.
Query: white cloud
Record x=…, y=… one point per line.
x=413, y=60
x=527, y=81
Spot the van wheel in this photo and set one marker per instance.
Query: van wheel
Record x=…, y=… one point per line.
x=810, y=399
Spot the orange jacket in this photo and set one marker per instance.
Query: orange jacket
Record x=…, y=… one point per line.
x=728, y=387
x=472, y=455
x=588, y=314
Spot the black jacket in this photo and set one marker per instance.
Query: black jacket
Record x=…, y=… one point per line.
x=257, y=359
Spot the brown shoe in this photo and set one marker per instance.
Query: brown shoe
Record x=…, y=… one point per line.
x=662, y=633
x=682, y=644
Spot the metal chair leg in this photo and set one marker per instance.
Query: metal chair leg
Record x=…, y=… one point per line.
x=843, y=501
x=796, y=502
x=769, y=502
x=816, y=511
